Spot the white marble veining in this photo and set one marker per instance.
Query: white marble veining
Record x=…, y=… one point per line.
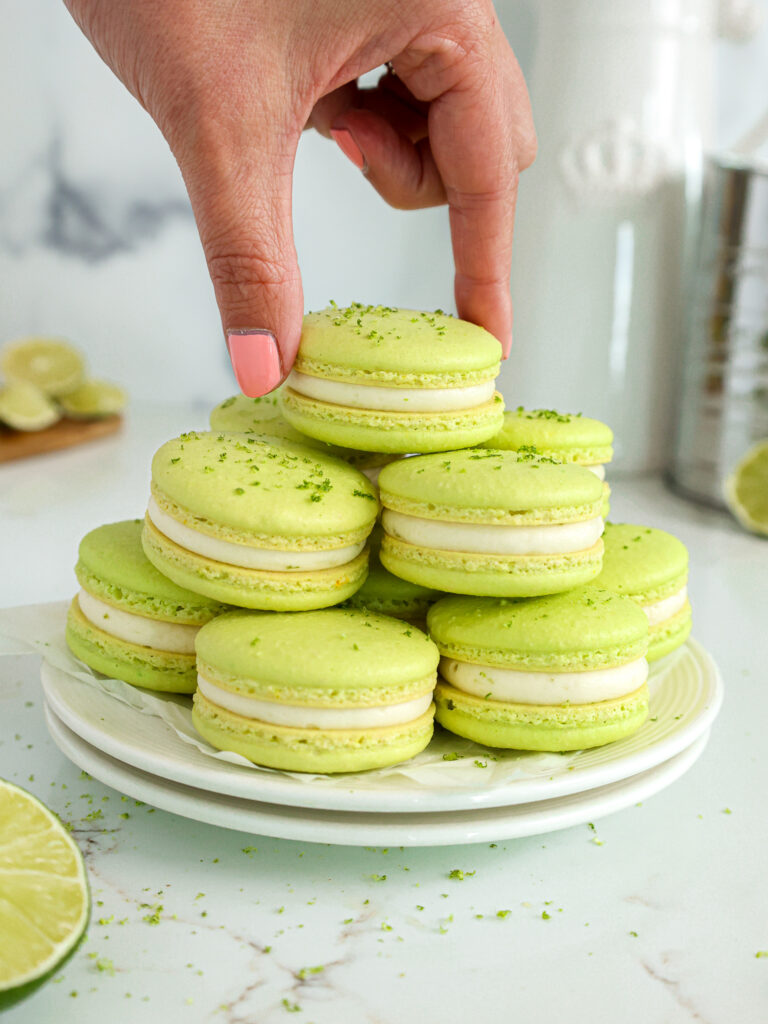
x=656, y=915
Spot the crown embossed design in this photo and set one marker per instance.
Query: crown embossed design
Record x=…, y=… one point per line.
x=612, y=159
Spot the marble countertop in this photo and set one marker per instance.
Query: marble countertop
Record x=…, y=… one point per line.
x=657, y=914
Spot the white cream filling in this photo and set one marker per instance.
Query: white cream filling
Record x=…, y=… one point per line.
x=598, y=470
x=481, y=538
x=371, y=396
x=314, y=718
x=660, y=611
x=135, y=629
x=248, y=558
x=544, y=687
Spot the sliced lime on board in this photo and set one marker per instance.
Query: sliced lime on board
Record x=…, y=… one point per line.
x=44, y=900
x=25, y=407
x=52, y=365
x=93, y=399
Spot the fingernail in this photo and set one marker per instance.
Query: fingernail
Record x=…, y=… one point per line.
x=506, y=346
x=255, y=360
x=346, y=143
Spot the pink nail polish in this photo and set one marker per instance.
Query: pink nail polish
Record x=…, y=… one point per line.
x=348, y=147
x=255, y=360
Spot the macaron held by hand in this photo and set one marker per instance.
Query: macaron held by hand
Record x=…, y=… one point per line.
x=394, y=380
x=562, y=672
x=273, y=526
x=335, y=690
x=129, y=621
x=491, y=523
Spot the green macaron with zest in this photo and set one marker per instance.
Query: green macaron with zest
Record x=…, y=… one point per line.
x=651, y=567
x=129, y=621
x=338, y=690
x=491, y=523
x=394, y=380
x=562, y=672
x=255, y=524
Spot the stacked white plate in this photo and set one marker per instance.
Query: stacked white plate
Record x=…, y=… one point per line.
x=141, y=755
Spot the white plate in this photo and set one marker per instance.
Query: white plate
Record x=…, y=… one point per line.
x=366, y=829
x=686, y=693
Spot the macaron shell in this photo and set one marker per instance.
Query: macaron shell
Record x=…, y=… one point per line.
x=237, y=487
x=332, y=658
x=252, y=588
x=585, y=629
x=310, y=750
x=141, y=666
x=565, y=436
x=668, y=636
x=394, y=432
x=457, y=572
x=396, y=347
x=490, y=486
x=539, y=727
x=643, y=562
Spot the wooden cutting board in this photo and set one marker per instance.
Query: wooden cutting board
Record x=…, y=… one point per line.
x=20, y=444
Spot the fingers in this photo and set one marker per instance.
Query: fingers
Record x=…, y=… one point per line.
x=402, y=172
x=241, y=198
x=481, y=135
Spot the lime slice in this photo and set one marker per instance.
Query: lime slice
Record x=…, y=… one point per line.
x=53, y=366
x=92, y=400
x=25, y=407
x=746, y=489
x=44, y=901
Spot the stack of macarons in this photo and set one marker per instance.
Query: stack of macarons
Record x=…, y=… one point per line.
x=264, y=532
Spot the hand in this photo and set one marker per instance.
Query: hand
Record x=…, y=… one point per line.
x=233, y=84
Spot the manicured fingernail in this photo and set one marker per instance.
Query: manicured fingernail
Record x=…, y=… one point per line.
x=255, y=360
x=348, y=147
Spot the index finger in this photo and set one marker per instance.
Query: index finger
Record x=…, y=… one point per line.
x=481, y=135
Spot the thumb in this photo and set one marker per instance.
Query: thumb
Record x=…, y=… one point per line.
x=242, y=206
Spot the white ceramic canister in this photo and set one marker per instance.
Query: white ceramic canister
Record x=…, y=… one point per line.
x=622, y=99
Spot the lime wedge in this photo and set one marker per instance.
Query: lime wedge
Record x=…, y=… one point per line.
x=25, y=407
x=746, y=489
x=92, y=400
x=44, y=901
x=53, y=366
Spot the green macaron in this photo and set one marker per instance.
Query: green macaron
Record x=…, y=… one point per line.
x=256, y=524
x=390, y=595
x=565, y=437
x=338, y=690
x=651, y=567
x=394, y=380
x=491, y=523
x=129, y=621
x=562, y=672
x=262, y=417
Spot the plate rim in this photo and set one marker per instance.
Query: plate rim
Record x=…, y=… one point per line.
x=278, y=788
x=301, y=824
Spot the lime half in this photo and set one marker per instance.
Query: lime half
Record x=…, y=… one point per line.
x=25, y=407
x=44, y=902
x=53, y=366
x=93, y=399
x=746, y=489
